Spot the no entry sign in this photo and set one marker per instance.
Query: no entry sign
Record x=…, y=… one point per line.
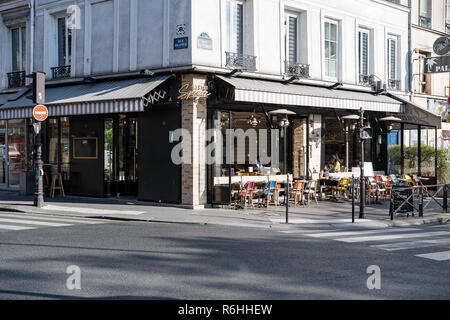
x=40, y=113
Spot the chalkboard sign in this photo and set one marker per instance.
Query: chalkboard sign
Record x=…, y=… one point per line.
x=85, y=148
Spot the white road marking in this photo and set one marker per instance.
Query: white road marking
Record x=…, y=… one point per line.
x=351, y=233
x=16, y=228
x=437, y=256
x=34, y=222
x=91, y=210
x=411, y=244
x=319, y=221
x=392, y=237
x=62, y=219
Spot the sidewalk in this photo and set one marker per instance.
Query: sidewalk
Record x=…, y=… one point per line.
x=326, y=214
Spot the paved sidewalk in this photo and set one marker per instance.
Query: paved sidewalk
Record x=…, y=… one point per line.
x=326, y=214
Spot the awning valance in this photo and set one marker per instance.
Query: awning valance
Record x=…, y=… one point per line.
x=272, y=92
x=91, y=98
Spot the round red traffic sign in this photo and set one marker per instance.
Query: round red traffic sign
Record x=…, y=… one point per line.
x=40, y=113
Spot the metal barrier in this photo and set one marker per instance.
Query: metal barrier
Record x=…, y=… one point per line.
x=402, y=199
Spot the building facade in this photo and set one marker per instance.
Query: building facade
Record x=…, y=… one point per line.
x=124, y=75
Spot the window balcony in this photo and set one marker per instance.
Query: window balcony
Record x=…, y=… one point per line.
x=16, y=79
x=61, y=72
x=366, y=80
x=299, y=70
x=240, y=61
x=425, y=22
x=393, y=84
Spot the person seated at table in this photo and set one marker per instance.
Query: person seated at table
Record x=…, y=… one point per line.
x=337, y=164
x=325, y=173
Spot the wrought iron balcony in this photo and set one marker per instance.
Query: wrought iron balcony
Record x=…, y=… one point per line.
x=393, y=84
x=240, y=61
x=61, y=72
x=16, y=79
x=425, y=22
x=300, y=70
x=366, y=80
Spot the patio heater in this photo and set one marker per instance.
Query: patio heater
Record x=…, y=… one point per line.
x=284, y=123
x=351, y=121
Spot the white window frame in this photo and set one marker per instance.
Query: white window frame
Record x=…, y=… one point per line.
x=287, y=15
x=396, y=58
x=231, y=36
x=369, y=51
x=338, y=49
x=22, y=64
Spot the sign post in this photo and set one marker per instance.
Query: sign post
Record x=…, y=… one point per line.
x=40, y=114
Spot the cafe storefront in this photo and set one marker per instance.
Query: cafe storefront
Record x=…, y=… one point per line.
x=316, y=133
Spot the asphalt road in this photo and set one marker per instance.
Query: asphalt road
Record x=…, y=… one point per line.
x=137, y=260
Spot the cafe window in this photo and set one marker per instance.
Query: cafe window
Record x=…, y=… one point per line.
x=16, y=150
x=394, y=149
x=109, y=149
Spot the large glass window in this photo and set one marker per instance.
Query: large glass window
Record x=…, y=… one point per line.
x=394, y=150
x=18, y=46
x=331, y=49
x=235, y=26
x=109, y=149
x=16, y=152
x=425, y=13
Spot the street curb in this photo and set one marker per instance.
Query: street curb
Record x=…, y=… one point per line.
x=437, y=220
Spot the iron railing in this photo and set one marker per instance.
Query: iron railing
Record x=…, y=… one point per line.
x=240, y=61
x=16, y=79
x=61, y=72
x=366, y=80
x=393, y=84
x=300, y=70
x=425, y=22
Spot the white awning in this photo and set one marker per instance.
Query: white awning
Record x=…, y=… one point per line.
x=272, y=92
x=83, y=99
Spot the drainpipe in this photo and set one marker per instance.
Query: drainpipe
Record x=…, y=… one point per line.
x=410, y=50
x=32, y=19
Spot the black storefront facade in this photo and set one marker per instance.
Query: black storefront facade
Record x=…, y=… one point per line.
x=107, y=138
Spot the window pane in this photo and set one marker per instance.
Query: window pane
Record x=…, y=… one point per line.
x=327, y=30
x=293, y=25
x=327, y=49
x=333, y=50
x=16, y=152
x=333, y=32
x=332, y=68
x=15, y=45
x=238, y=30
x=61, y=41
x=24, y=48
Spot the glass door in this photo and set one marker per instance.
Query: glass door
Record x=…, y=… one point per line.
x=3, y=159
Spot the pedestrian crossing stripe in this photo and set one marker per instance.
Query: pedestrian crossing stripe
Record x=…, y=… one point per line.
x=361, y=232
x=393, y=237
x=411, y=244
x=34, y=222
x=60, y=219
x=437, y=256
x=15, y=228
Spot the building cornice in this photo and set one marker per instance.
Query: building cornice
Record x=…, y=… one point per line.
x=437, y=32
x=393, y=5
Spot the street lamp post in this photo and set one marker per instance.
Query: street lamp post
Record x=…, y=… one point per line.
x=284, y=123
x=362, y=202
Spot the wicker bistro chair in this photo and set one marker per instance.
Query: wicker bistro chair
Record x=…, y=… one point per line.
x=387, y=185
x=270, y=194
x=297, y=193
x=371, y=189
x=311, y=191
x=246, y=193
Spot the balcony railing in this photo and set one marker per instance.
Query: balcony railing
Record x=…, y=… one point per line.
x=240, y=61
x=61, y=72
x=16, y=79
x=366, y=80
x=300, y=70
x=393, y=84
x=425, y=22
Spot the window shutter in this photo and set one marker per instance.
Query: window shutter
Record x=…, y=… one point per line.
x=363, y=53
x=15, y=46
x=292, y=39
x=24, y=48
x=392, y=59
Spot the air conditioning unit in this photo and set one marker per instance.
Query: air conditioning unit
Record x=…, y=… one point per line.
x=378, y=86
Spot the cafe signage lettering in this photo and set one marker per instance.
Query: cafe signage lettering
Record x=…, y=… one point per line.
x=188, y=92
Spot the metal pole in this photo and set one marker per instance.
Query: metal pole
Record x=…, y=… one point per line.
x=353, y=199
x=444, y=204
x=346, y=147
x=421, y=202
x=39, y=194
x=363, y=182
x=287, y=176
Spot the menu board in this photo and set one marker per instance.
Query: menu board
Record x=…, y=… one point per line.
x=85, y=148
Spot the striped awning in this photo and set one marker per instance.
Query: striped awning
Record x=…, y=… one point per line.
x=272, y=92
x=84, y=99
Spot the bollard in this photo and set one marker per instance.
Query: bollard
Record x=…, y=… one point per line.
x=421, y=202
x=353, y=199
x=444, y=204
x=391, y=208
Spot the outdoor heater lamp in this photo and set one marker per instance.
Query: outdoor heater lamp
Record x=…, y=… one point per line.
x=284, y=123
x=390, y=120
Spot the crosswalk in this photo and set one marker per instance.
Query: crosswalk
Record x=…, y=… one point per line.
x=391, y=239
x=21, y=222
